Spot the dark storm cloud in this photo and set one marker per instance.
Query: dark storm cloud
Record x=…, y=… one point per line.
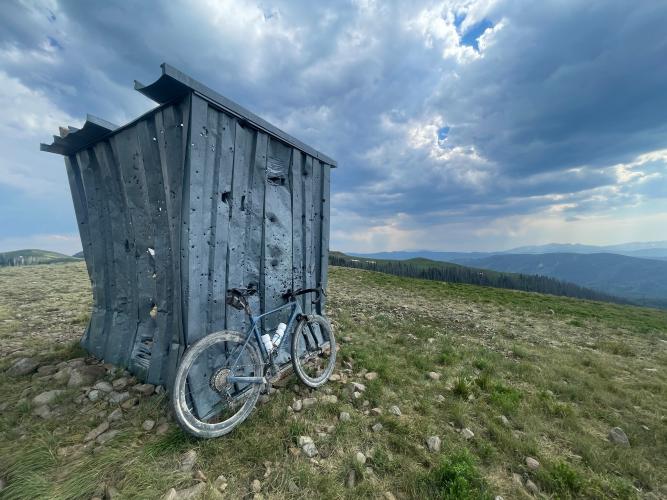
x=436, y=111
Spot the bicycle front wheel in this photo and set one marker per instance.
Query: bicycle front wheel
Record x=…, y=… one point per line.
x=313, y=350
x=206, y=404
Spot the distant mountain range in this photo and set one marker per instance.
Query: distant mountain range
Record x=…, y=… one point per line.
x=30, y=257
x=636, y=271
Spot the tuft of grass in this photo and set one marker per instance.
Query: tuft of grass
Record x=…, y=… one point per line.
x=454, y=477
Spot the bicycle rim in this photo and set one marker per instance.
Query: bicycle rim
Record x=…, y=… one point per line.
x=313, y=350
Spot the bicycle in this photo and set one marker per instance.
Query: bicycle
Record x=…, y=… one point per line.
x=219, y=379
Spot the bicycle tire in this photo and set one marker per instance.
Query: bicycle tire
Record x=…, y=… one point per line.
x=298, y=333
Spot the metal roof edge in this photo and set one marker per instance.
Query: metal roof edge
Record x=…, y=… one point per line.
x=173, y=83
x=74, y=139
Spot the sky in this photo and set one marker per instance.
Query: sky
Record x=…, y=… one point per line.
x=457, y=125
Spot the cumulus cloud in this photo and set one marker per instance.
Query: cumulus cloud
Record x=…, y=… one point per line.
x=456, y=124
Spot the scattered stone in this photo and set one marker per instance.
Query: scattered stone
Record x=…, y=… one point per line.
x=23, y=366
x=103, y=427
x=264, y=398
x=334, y=377
x=532, y=463
x=434, y=375
x=395, y=410
x=191, y=493
x=356, y=386
x=220, y=483
x=45, y=370
x=532, y=487
x=103, y=386
x=371, y=376
x=388, y=495
x=120, y=383
x=42, y=411
x=46, y=397
x=118, y=397
x=148, y=425
x=310, y=450
x=330, y=398
x=517, y=479
x=308, y=402
x=144, y=389
x=357, y=395
x=256, y=486
x=360, y=458
x=504, y=421
x=115, y=415
x=160, y=389
x=377, y=427
x=617, y=436
x=433, y=443
x=62, y=375
x=376, y=412
x=467, y=433
x=162, y=428
x=297, y=405
x=188, y=460
x=344, y=416
x=94, y=395
x=129, y=403
x=199, y=476
x=351, y=479
x=440, y=398
x=498, y=497
x=85, y=375
x=107, y=436
x=346, y=339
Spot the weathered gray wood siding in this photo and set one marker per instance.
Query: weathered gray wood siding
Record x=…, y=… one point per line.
x=176, y=208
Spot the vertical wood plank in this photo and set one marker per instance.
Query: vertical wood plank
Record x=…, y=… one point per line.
x=324, y=238
x=296, y=181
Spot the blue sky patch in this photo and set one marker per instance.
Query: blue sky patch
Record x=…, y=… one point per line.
x=471, y=36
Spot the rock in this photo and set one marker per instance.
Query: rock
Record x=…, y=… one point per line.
x=351, y=479
x=103, y=427
x=504, y=421
x=45, y=370
x=434, y=375
x=297, y=405
x=129, y=403
x=256, y=486
x=103, y=386
x=344, y=416
x=23, y=366
x=376, y=412
x=148, y=425
x=357, y=395
x=440, y=398
x=120, y=383
x=467, y=433
x=46, y=397
x=191, y=493
x=377, y=427
x=335, y=377
x=360, y=458
x=433, y=443
x=160, y=389
x=162, y=428
x=220, y=483
x=144, y=389
x=371, y=376
x=110, y=493
x=188, y=460
x=346, y=339
x=107, y=436
x=304, y=439
x=517, y=479
x=264, y=398
x=330, y=398
x=118, y=397
x=532, y=487
x=617, y=436
x=115, y=415
x=357, y=387
x=199, y=475
x=395, y=410
x=310, y=450
x=308, y=402
x=85, y=375
x=94, y=395
x=42, y=411
x=62, y=375
x=498, y=497
x=76, y=362
x=532, y=463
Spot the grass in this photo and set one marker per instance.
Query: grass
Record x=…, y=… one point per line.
x=561, y=379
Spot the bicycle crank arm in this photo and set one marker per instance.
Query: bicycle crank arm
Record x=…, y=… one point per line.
x=246, y=380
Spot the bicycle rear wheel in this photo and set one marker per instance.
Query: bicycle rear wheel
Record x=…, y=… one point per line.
x=313, y=350
x=205, y=403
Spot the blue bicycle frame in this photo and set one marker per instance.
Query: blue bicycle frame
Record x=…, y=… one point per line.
x=254, y=329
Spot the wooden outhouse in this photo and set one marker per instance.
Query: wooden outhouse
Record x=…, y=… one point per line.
x=196, y=196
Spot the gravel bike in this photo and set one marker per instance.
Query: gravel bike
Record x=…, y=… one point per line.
x=220, y=377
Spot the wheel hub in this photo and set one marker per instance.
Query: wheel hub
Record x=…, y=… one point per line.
x=219, y=380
